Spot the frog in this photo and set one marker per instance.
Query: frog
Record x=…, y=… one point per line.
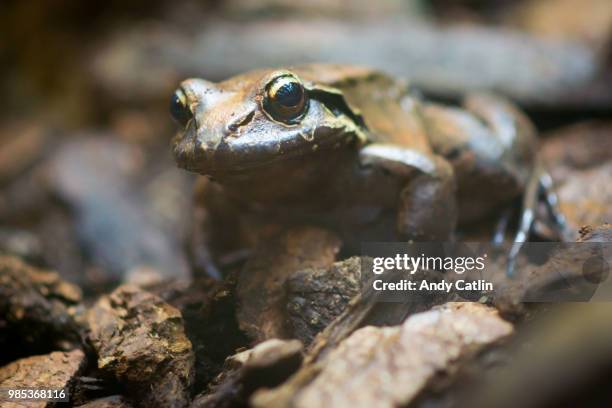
x=351, y=149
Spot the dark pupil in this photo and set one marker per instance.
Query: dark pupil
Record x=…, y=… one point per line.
x=179, y=111
x=289, y=95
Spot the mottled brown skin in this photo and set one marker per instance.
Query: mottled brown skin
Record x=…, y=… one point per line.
x=368, y=159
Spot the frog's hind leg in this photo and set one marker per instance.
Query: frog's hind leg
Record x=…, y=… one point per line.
x=492, y=146
x=516, y=135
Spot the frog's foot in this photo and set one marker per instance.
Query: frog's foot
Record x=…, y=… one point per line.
x=427, y=209
x=501, y=229
x=539, y=189
x=530, y=201
x=551, y=201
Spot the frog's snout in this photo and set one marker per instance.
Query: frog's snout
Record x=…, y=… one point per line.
x=226, y=131
x=195, y=148
x=192, y=106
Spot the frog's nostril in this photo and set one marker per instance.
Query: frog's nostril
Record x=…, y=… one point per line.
x=234, y=126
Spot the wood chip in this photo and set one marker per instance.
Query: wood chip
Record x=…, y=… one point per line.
x=390, y=366
x=141, y=341
x=51, y=371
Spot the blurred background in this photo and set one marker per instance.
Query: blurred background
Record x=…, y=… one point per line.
x=87, y=183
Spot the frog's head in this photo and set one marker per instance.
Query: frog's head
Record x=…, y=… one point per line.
x=258, y=119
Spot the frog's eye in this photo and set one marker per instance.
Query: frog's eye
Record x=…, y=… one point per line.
x=285, y=99
x=179, y=109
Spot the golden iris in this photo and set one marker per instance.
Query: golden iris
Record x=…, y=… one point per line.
x=286, y=99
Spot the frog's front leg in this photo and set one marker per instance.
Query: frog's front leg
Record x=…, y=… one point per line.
x=216, y=228
x=426, y=207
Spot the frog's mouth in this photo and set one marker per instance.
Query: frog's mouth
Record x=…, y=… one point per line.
x=239, y=156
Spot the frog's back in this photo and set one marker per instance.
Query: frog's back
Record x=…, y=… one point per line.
x=377, y=97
